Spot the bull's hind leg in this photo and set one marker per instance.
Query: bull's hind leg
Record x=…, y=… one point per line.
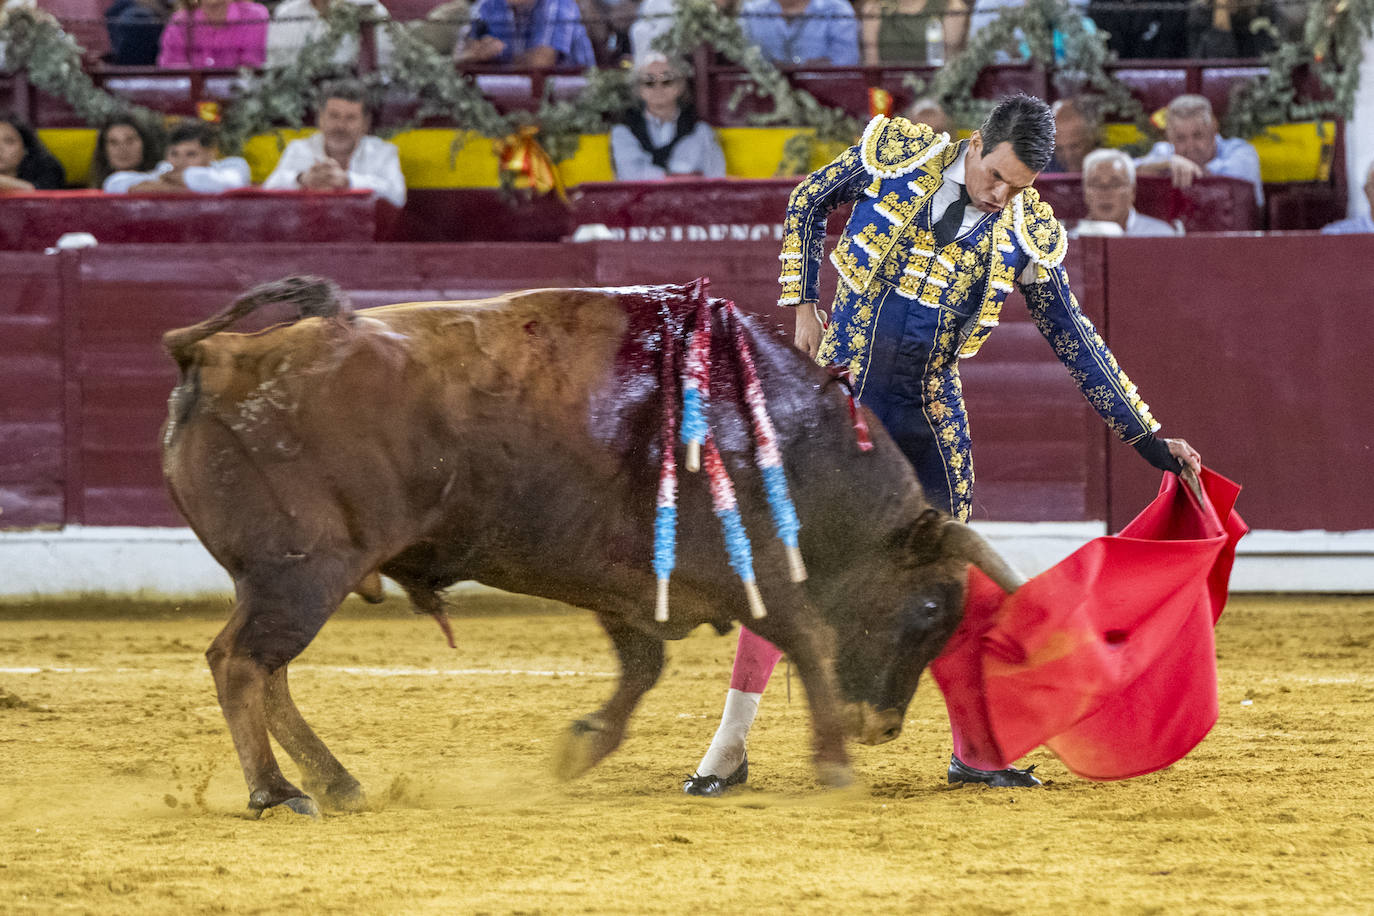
x=276, y=616
x=592, y=737
x=325, y=778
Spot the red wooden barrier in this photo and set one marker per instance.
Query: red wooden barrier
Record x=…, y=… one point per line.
x=32, y=379
x=1211, y=204
x=1249, y=346
x=1257, y=350
x=35, y=220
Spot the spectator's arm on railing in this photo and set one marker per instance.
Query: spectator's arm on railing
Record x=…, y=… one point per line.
x=713, y=157
x=224, y=175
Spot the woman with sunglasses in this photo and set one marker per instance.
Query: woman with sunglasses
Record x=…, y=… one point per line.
x=662, y=137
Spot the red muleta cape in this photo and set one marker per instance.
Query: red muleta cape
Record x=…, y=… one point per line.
x=1108, y=657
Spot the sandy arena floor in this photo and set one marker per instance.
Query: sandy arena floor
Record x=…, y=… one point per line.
x=120, y=793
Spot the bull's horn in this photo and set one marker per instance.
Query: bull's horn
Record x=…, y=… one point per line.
x=962, y=541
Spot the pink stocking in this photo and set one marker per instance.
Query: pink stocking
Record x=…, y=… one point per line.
x=754, y=661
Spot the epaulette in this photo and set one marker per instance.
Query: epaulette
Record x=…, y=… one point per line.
x=1039, y=234
x=892, y=147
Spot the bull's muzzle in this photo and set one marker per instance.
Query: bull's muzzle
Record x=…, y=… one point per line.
x=867, y=724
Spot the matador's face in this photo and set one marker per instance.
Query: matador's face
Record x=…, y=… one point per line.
x=993, y=177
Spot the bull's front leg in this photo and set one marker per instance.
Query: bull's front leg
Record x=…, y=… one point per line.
x=592, y=737
x=806, y=640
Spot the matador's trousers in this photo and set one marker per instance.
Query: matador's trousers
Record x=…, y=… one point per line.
x=910, y=380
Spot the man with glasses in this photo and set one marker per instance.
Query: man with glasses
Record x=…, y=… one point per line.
x=1109, y=193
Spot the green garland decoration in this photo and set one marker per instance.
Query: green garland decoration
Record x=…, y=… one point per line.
x=35, y=42
x=1028, y=32
x=266, y=101
x=1331, y=48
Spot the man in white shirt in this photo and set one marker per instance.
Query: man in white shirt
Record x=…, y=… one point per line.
x=190, y=167
x=298, y=22
x=1109, y=192
x=342, y=154
x=1193, y=148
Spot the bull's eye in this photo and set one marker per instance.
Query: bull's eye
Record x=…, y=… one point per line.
x=931, y=605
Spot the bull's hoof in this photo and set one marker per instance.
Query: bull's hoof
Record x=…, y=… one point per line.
x=260, y=803
x=834, y=775
x=715, y=786
x=576, y=752
x=343, y=796
x=1010, y=778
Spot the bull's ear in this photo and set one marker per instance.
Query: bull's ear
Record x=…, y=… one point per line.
x=962, y=542
x=919, y=543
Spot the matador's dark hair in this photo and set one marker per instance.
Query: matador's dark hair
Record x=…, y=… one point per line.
x=1027, y=124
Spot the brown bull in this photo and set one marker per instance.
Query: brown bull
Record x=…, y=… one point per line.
x=515, y=441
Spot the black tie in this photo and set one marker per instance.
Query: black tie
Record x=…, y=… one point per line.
x=948, y=226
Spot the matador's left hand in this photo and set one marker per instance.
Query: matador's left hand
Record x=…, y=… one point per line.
x=1185, y=453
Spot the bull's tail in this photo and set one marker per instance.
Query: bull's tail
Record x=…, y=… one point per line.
x=312, y=296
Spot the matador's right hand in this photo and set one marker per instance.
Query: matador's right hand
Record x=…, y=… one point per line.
x=808, y=329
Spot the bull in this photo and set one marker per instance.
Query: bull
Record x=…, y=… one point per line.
x=516, y=441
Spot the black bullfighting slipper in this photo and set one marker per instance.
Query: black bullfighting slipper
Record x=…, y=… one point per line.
x=1009, y=778
x=714, y=786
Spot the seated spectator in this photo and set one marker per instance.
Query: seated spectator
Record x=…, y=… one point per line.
x=135, y=28
x=608, y=28
x=662, y=136
x=124, y=145
x=341, y=154
x=1075, y=134
x=1225, y=28
x=1109, y=192
x=656, y=18
x=819, y=33
x=295, y=23
x=1193, y=148
x=897, y=32
x=189, y=168
x=215, y=33
x=1139, y=29
x=442, y=25
x=1356, y=224
x=25, y=163
x=527, y=33
x=927, y=111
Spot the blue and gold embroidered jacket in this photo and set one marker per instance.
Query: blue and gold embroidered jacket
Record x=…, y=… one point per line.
x=888, y=247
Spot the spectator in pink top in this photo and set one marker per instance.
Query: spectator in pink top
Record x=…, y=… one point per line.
x=215, y=33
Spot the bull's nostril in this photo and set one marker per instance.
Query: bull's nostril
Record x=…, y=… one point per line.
x=891, y=733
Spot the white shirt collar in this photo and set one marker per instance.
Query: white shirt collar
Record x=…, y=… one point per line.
x=955, y=170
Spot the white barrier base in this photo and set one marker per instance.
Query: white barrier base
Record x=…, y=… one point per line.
x=171, y=563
